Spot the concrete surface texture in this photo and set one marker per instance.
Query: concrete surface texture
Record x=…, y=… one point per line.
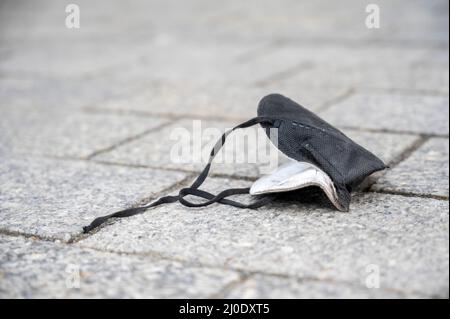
x=87, y=117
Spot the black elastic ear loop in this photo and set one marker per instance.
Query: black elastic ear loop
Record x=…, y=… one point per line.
x=129, y=212
x=221, y=198
x=193, y=190
x=202, y=176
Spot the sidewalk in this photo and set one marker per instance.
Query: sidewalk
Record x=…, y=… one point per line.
x=86, y=118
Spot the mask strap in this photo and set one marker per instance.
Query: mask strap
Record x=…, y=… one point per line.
x=193, y=190
x=220, y=198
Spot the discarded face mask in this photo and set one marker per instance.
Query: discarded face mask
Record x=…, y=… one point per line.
x=321, y=156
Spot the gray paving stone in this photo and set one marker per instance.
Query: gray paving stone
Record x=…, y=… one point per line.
x=234, y=24
x=386, y=146
x=125, y=42
x=56, y=60
x=240, y=158
x=265, y=286
x=49, y=49
x=75, y=93
x=196, y=20
x=411, y=113
x=425, y=172
x=405, y=237
x=237, y=21
x=360, y=67
x=161, y=149
x=423, y=21
x=55, y=198
x=317, y=21
x=96, y=22
x=28, y=130
x=37, y=269
x=302, y=66
x=17, y=92
x=249, y=20
x=431, y=73
x=202, y=64
x=214, y=99
x=416, y=76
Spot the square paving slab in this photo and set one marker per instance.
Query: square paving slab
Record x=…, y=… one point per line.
x=404, y=113
x=26, y=130
x=55, y=198
x=39, y=269
x=425, y=172
x=214, y=99
x=266, y=286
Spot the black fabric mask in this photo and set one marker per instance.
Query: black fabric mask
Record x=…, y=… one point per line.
x=303, y=137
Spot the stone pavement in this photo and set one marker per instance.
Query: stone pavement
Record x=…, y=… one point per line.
x=86, y=121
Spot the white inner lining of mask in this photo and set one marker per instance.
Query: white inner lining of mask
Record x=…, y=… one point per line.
x=296, y=175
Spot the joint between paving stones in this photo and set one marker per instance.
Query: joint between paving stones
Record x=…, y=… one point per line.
x=242, y=278
x=170, y=116
x=405, y=44
x=400, y=91
x=142, y=201
x=284, y=74
x=244, y=274
x=340, y=98
x=156, y=167
x=13, y=233
x=396, y=132
x=253, y=53
x=126, y=140
x=409, y=151
x=421, y=140
x=407, y=194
